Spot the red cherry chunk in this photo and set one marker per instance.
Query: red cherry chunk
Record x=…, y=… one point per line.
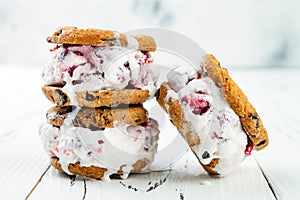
x=248, y=149
x=70, y=70
x=197, y=104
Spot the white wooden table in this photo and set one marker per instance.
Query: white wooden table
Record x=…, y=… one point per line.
x=273, y=173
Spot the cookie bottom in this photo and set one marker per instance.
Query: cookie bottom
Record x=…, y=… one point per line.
x=94, y=171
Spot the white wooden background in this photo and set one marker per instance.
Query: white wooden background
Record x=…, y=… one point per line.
x=270, y=174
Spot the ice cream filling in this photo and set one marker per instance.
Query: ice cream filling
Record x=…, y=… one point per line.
x=217, y=125
x=99, y=68
x=112, y=148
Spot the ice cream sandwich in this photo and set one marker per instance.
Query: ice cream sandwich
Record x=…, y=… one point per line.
x=97, y=80
x=213, y=114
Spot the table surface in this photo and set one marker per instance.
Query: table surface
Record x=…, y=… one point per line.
x=268, y=174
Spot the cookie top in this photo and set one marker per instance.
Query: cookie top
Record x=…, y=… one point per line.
x=94, y=99
x=98, y=118
x=100, y=37
x=238, y=101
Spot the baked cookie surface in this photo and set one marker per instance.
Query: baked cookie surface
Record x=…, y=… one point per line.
x=174, y=109
x=238, y=101
x=98, y=118
x=94, y=171
x=94, y=99
x=100, y=37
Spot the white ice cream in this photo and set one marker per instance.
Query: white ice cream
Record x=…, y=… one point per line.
x=97, y=68
x=218, y=127
x=113, y=148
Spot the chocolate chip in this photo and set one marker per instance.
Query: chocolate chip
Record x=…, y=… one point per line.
x=157, y=94
x=257, y=124
x=126, y=65
x=261, y=143
x=106, y=120
x=60, y=97
x=254, y=117
x=59, y=32
x=89, y=97
x=205, y=155
x=76, y=82
x=138, y=120
x=70, y=109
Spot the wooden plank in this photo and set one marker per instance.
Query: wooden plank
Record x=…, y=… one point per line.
x=56, y=185
x=22, y=160
x=277, y=100
x=280, y=165
x=24, y=163
x=181, y=183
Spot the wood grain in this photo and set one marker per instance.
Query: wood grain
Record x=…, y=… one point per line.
x=269, y=174
x=160, y=185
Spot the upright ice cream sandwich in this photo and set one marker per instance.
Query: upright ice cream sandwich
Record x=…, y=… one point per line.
x=98, y=79
x=213, y=115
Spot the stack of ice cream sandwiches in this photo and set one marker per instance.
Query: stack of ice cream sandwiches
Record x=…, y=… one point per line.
x=98, y=80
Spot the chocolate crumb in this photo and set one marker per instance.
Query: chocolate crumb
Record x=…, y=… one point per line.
x=76, y=82
x=72, y=179
x=157, y=184
x=149, y=189
x=181, y=196
x=205, y=155
x=129, y=186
